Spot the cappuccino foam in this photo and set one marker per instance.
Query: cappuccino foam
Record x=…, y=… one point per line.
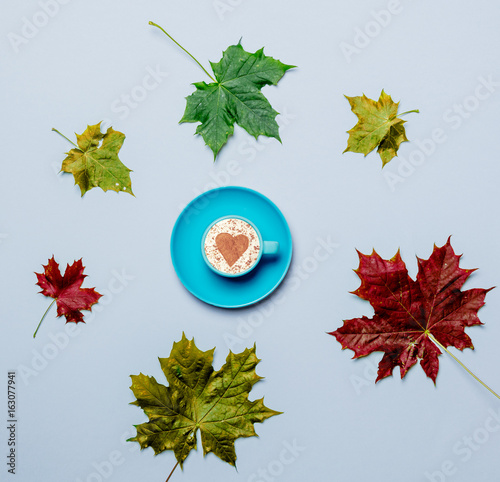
x=232, y=246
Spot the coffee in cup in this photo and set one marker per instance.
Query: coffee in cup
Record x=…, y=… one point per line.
x=232, y=246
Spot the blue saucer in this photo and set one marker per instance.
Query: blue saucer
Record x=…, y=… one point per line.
x=187, y=257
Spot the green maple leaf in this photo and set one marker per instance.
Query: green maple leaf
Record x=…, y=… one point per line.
x=234, y=96
x=378, y=126
x=94, y=162
x=199, y=398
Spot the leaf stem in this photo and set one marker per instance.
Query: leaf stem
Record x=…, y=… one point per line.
x=410, y=112
x=179, y=45
x=46, y=311
x=462, y=365
x=55, y=130
x=170, y=475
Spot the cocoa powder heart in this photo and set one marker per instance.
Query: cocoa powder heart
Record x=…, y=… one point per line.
x=231, y=247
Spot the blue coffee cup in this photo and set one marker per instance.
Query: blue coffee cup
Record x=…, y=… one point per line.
x=264, y=248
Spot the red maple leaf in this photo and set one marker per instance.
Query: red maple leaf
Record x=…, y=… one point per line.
x=66, y=290
x=412, y=317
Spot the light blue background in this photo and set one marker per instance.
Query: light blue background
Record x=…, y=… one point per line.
x=73, y=392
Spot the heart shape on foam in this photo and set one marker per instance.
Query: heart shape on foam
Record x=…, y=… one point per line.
x=231, y=247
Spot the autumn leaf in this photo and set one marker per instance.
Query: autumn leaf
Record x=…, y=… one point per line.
x=94, y=162
x=378, y=125
x=412, y=318
x=66, y=290
x=199, y=398
x=234, y=96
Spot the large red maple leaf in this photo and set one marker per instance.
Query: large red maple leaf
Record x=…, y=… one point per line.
x=66, y=290
x=412, y=317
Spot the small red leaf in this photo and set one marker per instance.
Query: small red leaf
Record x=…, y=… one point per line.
x=66, y=290
x=408, y=313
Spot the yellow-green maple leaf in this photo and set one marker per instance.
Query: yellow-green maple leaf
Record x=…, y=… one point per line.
x=378, y=126
x=199, y=398
x=95, y=163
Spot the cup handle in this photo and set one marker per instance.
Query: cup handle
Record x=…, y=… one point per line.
x=270, y=247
